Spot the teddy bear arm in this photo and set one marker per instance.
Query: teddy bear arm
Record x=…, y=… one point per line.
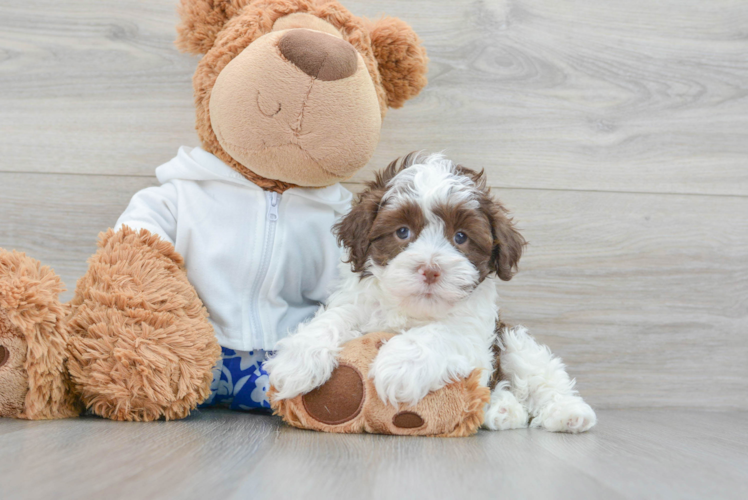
x=154, y=209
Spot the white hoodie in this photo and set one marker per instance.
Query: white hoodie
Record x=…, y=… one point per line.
x=261, y=262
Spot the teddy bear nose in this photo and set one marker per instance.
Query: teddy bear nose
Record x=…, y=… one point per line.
x=319, y=55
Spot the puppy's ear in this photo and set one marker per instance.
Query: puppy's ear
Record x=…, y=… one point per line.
x=401, y=59
x=508, y=243
x=354, y=229
x=202, y=20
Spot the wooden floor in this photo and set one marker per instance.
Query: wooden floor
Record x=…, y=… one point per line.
x=616, y=132
x=216, y=454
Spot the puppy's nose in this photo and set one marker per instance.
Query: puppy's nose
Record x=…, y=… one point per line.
x=319, y=55
x=430, y=274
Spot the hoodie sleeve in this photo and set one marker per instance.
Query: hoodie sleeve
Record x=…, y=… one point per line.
x=154, y=209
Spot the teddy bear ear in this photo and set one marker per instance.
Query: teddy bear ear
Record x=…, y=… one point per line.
x=202, y=20
x=401, y=58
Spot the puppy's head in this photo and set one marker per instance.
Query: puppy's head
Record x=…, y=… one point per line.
x=430, y=232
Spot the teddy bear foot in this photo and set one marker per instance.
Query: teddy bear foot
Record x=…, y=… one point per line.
x=349, y=403
x=33, y=342
x=337, y=403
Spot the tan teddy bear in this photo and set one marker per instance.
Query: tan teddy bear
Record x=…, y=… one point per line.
x=290, y=96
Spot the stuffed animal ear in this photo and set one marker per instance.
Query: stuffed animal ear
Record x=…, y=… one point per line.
x=202, y=20
x=401, y=58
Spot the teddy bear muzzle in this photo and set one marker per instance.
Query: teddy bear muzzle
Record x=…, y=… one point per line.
x=297, y=106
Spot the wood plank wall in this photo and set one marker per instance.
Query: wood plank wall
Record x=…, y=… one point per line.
x=617, y=132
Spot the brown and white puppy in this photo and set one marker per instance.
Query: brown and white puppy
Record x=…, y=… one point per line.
x=427, y=246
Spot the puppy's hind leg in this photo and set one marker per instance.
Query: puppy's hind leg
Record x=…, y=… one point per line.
x=540, y=382
x=504, y=411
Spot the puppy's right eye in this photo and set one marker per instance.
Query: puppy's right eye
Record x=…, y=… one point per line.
x=403, y=233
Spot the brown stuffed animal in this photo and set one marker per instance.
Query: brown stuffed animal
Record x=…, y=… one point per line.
x=348, y=402
x=289, y=94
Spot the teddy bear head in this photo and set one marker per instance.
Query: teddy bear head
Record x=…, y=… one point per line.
x=293, y=92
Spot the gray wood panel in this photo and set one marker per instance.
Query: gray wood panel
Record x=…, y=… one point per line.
x=614, y=130
x=644, y=296
x=221, y=454
x=57, y=218
x=606, y=95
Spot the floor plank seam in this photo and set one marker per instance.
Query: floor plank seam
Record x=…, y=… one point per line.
x=362, y=183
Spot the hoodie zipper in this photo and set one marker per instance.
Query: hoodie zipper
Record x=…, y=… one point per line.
x=273, y=202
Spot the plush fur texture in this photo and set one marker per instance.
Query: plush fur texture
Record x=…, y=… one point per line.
x=456, y=410
x=142, y=346
x=289, y=125
x=222, y=30
x=13, y=376
x=33, y=328
x=401, y=60
x=428, y=246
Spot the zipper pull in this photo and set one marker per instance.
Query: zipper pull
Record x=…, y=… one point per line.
x=273, y=202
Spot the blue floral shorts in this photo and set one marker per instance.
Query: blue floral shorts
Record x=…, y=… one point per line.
x=240, y=381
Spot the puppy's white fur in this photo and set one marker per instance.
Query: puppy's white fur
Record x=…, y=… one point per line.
x=446, y=329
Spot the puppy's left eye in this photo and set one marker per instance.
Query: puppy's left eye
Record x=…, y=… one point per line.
x=403, y=233
x=460, y=237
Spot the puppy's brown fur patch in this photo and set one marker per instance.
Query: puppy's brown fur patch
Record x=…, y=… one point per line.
x=475, y=224
x=385, y=245
x=508, y=243
x=354, y=230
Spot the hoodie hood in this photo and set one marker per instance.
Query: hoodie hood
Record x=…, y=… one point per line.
x=196, y=164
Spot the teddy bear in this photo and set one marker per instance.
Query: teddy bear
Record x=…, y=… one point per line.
x=203, y=273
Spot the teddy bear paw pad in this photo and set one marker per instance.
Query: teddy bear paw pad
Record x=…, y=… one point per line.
x=338, y=400
x=407, y=420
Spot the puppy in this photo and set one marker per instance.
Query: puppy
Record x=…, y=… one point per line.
x=427, y=246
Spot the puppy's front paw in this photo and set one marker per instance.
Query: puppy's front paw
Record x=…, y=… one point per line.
x=568, y=415
x=394, y=386
x=293, y=372
x=403, y=374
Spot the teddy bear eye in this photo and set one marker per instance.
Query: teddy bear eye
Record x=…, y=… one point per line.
x=403, y=233
x=460, y=237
